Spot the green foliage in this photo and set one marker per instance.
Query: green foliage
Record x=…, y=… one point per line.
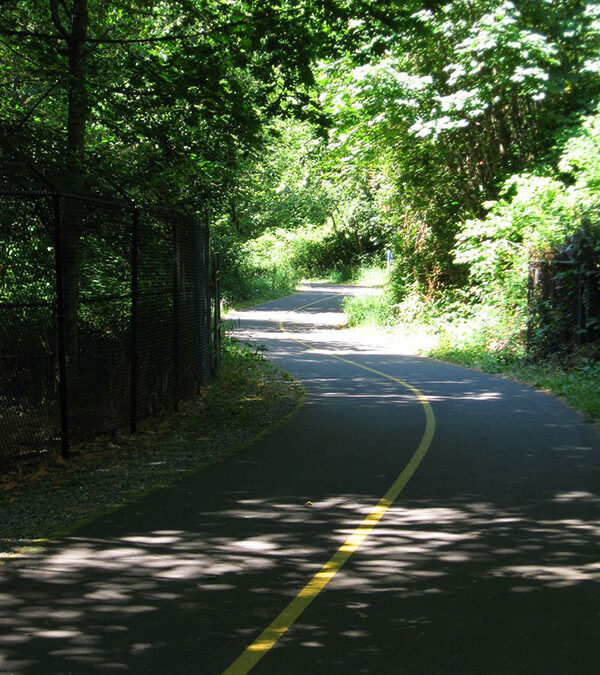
x=175, y=93
x=538, y=213
x=437, y=122
x=241, y=367
x=271, y=263
x=370, y=274
x=318, y=134
x=278, y=185
x=252, y=276
x=369, y=310
x=483, y=337
x=577, y=382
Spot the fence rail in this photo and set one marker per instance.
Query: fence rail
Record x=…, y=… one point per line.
x=105, y=317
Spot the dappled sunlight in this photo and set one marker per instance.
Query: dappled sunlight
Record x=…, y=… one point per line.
x=319, y=331
x=470, y=396
x=338, y=289
x=554, y=576
x=188, y=589
x=317, y=322
x=313, y=332
x=108, y=586
x=578, y=495
x=298, y=319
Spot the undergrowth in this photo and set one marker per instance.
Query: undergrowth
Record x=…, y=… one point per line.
x=370, y=310
x=364, y=273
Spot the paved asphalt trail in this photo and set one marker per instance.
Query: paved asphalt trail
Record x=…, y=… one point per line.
x=488, y=562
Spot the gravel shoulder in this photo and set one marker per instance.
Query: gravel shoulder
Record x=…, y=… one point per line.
x=49, y=497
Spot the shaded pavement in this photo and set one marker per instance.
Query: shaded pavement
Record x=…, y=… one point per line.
x=488, y=561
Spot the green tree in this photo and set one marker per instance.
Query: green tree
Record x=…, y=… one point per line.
x=466, y=94
x=157, y=100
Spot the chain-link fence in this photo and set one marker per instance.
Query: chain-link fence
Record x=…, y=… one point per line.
x=105, y=318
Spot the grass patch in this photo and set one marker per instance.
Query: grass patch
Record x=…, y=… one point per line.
x=576, y=380
x=370, y=275
x=486, y=338
x=362, y=275
x=578, y=384
x=369, y=310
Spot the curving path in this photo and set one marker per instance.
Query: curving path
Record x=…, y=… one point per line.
x=413, y=517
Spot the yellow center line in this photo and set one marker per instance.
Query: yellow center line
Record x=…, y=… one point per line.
x=282, y=623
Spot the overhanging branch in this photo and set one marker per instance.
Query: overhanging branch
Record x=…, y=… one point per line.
x=124, y=41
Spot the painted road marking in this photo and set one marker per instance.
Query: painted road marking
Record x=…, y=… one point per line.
x=283, y=622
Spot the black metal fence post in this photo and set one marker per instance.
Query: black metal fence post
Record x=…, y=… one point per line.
x=197, y=280
x=60, y=321
x=146, y=321
x=217, y=314
x=176, y=309
x=580, y=330
x=134, y=320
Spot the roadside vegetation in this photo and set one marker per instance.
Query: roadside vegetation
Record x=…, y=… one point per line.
x=480, y=337
x=38, y=497
x=466, y=142
x=318, y=137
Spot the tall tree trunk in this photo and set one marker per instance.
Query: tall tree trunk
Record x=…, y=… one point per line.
x=74, y=168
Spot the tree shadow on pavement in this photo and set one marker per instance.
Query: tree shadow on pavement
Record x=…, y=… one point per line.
x=455, y=587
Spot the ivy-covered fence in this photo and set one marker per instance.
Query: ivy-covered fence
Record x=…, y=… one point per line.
x=101, y=328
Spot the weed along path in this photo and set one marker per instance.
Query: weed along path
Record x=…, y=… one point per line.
x=412, y=517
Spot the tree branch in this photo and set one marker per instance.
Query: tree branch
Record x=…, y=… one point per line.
x=56, y=19
x=124, y=41
x=68, y=10
x=17, y=53
x=30, y=112
x=29, y=33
